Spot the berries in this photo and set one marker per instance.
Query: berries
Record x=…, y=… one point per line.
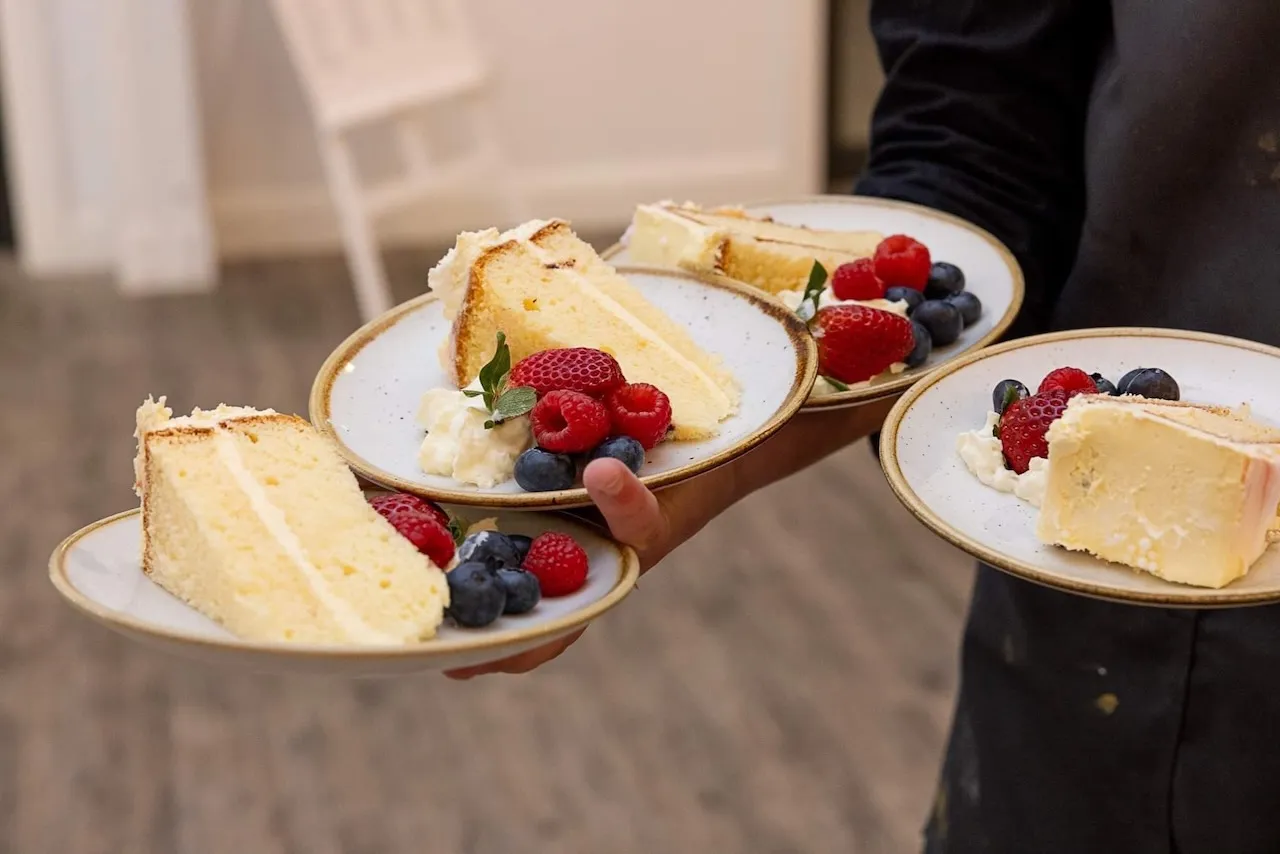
x=559, y=563
x=568, y=422
x=1105, y=386
x=910, y=296
x=942, y=319
x=1007, y=392
x=582, y=369
x=924, y=346
x=638, y=410
x=492, y=548
x=857, y=280
x=476, y=598
x=856, y=342
x=542, y=471
x=522, y=589
x=623, y=448
x=522, y=543
x=970, y=307
x=1068, y=379
x=944, y=280
x=901, y=260
x=1024, y=424
x=1151, y=383
x=420, y=522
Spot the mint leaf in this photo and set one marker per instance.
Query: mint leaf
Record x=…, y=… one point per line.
x=497, y=367
x=470, y=392
x=812, y=292
x=514, y=402
x=458, y=529
x=839, y=386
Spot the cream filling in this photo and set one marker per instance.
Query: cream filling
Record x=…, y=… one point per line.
x=984, y=457
x=274, y=520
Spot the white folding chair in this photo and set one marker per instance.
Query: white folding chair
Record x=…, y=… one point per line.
x=384, y=62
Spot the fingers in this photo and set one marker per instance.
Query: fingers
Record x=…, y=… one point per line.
x=522, y=663
x=632, y=512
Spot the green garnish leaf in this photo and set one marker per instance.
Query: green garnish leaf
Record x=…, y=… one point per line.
x=514, y=402
x=839, y=386
x=812, y=292
x=458, y=529
x=470, y=392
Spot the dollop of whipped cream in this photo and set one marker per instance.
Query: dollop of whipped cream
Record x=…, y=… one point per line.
x=983, y=456
x=792, y=300
x=458, y=445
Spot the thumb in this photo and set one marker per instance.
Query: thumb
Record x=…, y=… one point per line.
x=632, y=512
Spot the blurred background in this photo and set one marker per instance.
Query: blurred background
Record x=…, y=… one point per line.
x=201, y=199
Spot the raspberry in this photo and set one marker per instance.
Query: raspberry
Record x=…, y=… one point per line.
x=1068, y=379
x=559, y=564
x=1024, y=424
x=641, y=411
x=583, y=369
x=856, y=342
x=569, y=422
x=903, y=261
x=424, y=530
x=394, y=503
x=857, y=280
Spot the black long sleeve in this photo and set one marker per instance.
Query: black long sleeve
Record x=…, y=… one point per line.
x=982, y=115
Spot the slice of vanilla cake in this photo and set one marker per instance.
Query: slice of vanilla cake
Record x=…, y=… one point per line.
x=756, y=250
x=544, y=288
x=1188, y=493
x=252, y=518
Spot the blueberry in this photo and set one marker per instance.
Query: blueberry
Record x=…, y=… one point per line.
x=491, y=548
x=1153, y=383
x=924, y=346
x=623, y=448
x=1105, y=386
x=944, y=280
x=542, y=471
x=1123, y=385
x=1005, y=393
x=522, y=544
x=476, y=598
x=970, y=307
x=942, y=319
x=910, y=296
x=522, y=589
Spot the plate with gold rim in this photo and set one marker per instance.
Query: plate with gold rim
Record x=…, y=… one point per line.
x=991, y=273
x=918, y=449
x=98, y=570
x=367, y=394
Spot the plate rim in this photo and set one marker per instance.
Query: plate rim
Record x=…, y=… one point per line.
x=806, y=373
x=628, y=560
x=868, y=394
x=1187, y=597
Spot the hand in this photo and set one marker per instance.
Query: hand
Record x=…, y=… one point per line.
x=654, y=524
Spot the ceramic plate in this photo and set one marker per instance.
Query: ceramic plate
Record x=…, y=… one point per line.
x=367, y=393
x=917, y=448
x=990, y=270
x=99, y=571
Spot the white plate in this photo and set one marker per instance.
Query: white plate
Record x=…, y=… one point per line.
x=367, y=393
x=98, y=570
x=918, y=451
x=991, y=272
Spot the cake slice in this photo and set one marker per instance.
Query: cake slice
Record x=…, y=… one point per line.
x=252, y=518
x=545, y=288
x=756, y=250
x=1188, y=493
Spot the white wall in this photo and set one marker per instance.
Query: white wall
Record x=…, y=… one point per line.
x=602, y=104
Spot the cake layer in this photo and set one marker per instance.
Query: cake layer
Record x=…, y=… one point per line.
x=1186, y=493
x=254, y=520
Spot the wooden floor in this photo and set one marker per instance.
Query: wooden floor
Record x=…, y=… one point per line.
x=782, y=684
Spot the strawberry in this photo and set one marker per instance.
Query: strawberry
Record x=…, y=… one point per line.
x=1024, y=424
x=857, y=280
x=424, y=530
x=558, y=562
x=1069, y=379
x=394, y=503
x=903, y=262
x=856, y=342
x=583, y=369
x=568, y=422
x=641, y=411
